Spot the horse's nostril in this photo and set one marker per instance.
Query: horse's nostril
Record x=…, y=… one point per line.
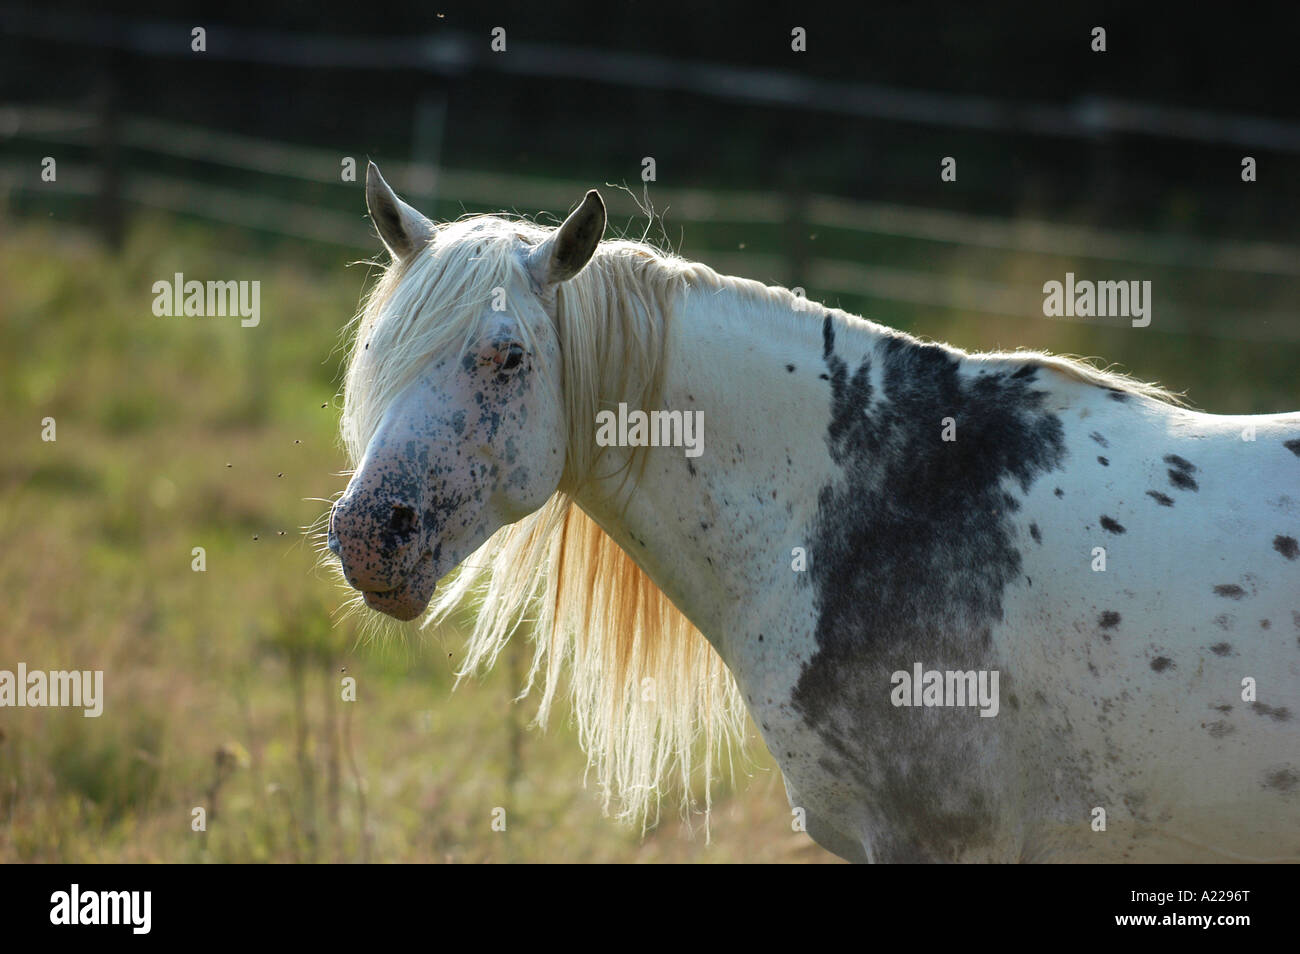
x=402, y=520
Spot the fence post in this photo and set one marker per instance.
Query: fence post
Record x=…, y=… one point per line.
x=107, y=100
x=429, y=121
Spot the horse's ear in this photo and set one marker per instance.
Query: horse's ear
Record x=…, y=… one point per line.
x=402, y=228
x=570, y=247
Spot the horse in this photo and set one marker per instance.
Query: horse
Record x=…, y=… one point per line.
x=980, y=606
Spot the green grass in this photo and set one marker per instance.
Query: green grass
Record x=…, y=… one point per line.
x=223, y=687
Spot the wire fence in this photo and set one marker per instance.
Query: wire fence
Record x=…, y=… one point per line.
x=454, y=53
x=254, y=208
x=178, y=158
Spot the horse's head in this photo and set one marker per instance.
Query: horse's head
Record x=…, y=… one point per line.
x=453, y=400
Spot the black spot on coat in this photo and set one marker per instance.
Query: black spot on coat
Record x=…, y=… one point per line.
x=1180, y=472
x=1276, y=713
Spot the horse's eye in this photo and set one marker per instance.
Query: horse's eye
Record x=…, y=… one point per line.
x=513, y=357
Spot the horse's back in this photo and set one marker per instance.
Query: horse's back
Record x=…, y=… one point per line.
x=1156, y=636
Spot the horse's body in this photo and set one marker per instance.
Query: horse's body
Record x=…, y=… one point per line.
x=1121, y=688
x=866, y=503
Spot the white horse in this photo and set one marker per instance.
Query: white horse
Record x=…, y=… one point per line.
x=980, y=606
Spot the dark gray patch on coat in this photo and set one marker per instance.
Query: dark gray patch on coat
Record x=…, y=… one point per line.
x=1293, y=446
x=1103, y=461
x=1099, y=439
x=1035, y=533
x=1283, y=779
x=1111, y=525
x=1219, y=729
x=1162, y=499
x=1108, y=620
x=1221, y=649
x=915, y=573
x=1286, y=546
x=1276, y=713
x=1161, y=663
x=1230, y=591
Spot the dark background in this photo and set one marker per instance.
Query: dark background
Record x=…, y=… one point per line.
x=1234, y=59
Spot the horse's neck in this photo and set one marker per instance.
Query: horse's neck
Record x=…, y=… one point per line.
x=717, y=530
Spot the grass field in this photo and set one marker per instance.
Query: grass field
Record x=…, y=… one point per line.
x=223, y=686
